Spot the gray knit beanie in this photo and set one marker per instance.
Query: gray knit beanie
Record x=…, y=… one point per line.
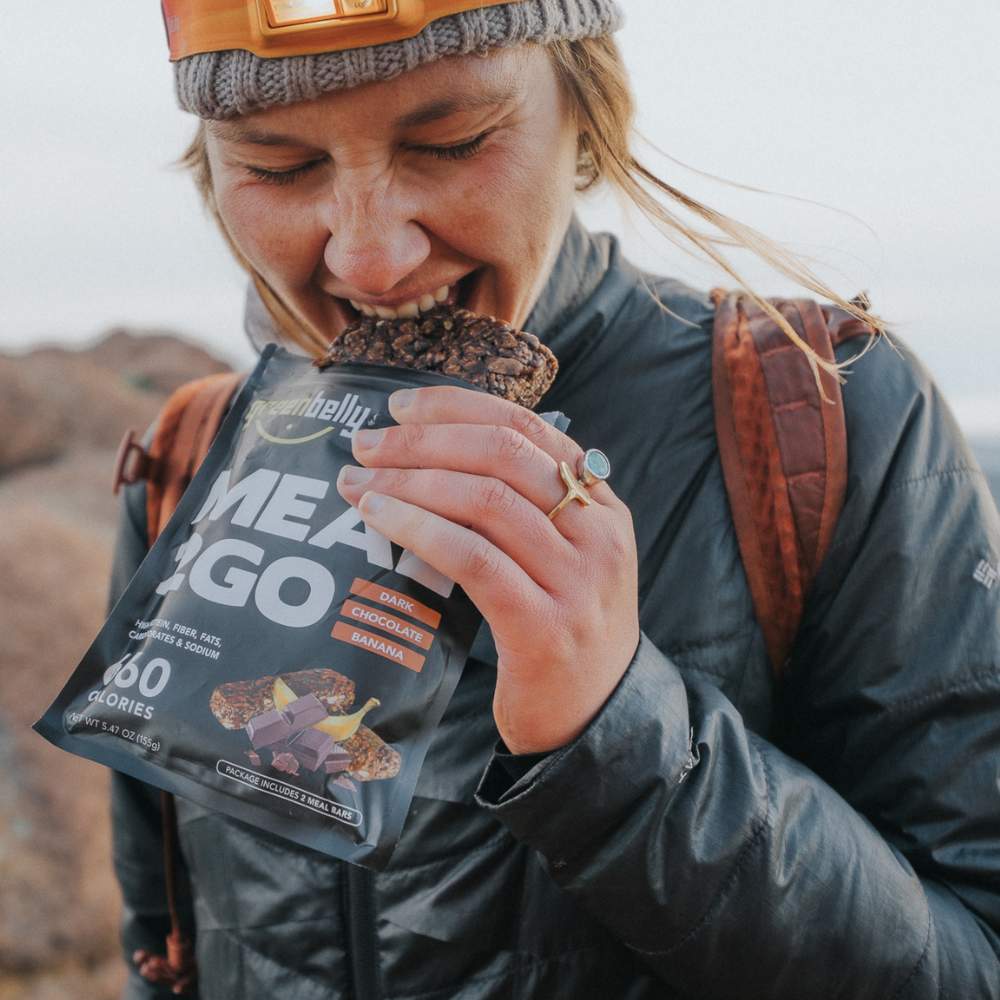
x=223, y=84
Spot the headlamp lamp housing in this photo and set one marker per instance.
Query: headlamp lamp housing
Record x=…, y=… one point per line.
x=274, y=28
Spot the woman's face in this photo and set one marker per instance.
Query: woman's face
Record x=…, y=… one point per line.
x=453, y=181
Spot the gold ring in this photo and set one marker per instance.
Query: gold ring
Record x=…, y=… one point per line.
x=574, y=490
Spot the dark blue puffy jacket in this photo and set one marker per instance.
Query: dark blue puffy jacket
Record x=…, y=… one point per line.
x=709, y=835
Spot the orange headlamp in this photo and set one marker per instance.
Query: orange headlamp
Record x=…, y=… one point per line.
x=272, y=28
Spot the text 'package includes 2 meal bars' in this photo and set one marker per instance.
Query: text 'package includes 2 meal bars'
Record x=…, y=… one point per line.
x=273, y=657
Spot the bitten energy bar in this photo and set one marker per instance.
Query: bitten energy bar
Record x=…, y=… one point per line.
x=273, y=657
x=480, y=350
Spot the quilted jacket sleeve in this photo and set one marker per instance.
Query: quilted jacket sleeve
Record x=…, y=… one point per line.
x=858, y=854
x=137, y=821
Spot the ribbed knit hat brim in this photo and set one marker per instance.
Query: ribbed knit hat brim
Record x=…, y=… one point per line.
x=221, y=85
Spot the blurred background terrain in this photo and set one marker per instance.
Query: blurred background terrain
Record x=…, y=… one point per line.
x=63, y=414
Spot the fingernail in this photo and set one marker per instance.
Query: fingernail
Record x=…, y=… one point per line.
x=401, y=399
x=372, y=503
x=355, y=475
x=369, y=439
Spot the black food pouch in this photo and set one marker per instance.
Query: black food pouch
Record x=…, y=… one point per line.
x=274, y=658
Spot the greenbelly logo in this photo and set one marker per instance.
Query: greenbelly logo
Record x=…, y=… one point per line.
x=345, y=415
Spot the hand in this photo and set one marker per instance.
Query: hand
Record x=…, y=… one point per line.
x=465, y=482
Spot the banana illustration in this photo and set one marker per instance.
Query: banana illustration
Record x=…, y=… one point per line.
x=343, y=727
x=282, y=694
x=340, y=727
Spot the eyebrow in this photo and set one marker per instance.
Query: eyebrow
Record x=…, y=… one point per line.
x=244, y=132
x=444, y=107
x=236, y=131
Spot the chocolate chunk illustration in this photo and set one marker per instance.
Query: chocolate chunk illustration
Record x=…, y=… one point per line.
x=312, y=748
x=304, y=712
x=286, y=762
x=337, y=760
x=268, y=728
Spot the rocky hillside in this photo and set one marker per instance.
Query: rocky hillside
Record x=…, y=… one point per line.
x=62, y=416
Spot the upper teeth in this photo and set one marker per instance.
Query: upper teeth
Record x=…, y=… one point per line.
x=408, y=310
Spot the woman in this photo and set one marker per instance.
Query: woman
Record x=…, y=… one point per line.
x=643, y=812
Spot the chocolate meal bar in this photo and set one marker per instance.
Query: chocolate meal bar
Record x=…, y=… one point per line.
x=236, y=703
x=480, y=350
x=371, y=758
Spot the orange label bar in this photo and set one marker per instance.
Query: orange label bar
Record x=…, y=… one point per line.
x=378, y=645
x=388, y=623
x=394, y=599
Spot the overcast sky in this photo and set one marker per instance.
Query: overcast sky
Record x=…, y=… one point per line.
x=888, y=110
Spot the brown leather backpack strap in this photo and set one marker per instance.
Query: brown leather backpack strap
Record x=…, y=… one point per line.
x=188, y=424
x=184, y=433
x=178, y=969
x=783, y=450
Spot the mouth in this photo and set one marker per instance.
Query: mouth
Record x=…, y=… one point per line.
x=453, y=294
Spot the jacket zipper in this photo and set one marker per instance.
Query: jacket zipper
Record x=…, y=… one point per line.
x=362, y=942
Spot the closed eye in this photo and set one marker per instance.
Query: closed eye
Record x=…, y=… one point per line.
x=282, y=176
x=461, y=151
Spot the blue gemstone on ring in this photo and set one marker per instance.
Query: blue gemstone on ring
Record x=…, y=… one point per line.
x=595, y=466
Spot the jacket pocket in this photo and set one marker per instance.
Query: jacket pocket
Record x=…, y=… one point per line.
x=492, y=894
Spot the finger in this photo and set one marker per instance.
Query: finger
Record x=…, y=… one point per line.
x=486, y=505
x=490, y=453
x=481, y=450
x=490, y=450
x=447, y=404
x=492, y=580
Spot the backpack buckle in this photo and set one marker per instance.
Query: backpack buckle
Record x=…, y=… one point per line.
x=132, y=463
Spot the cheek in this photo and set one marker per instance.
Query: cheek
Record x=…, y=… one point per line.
x=513, y=203
x=272, y=237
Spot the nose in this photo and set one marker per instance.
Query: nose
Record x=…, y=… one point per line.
x=374, y=240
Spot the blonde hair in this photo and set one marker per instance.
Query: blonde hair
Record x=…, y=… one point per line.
x=594, y=78
x=593, y=75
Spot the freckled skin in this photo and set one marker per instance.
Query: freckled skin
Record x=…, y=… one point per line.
x=380, y=218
